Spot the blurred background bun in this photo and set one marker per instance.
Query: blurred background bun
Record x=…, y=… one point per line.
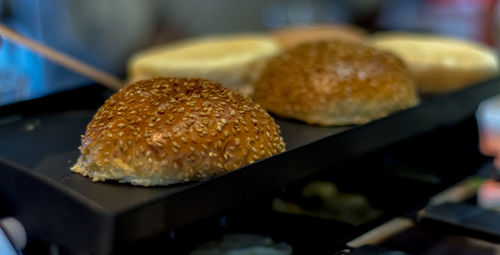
x=233, y=60
x=440, y=64
x=335, y=83
x=292, y=36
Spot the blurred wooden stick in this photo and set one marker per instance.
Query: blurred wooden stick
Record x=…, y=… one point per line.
x=88, y=71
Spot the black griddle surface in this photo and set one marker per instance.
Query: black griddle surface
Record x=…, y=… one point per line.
x=43, y=145
x=48, y=143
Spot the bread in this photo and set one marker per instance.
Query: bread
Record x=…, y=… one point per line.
x=439, y=64
x=335, y=83
x=289, y=37
x=233, y=60
x=165, y=131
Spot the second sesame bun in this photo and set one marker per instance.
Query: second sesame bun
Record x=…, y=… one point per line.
x=439, y=64
x=335, y=83
x=289, y=37
x=170, y=130
x=233, y=60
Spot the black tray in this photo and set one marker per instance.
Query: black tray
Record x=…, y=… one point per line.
x=39, y=141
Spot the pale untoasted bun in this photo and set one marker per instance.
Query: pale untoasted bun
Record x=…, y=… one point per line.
x=233, y=60
x=440, y=64
x=335, y=83
x=170, y=130
x=289, y=37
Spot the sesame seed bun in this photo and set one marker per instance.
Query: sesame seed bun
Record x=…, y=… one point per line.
x=440, y=64
x=170, y=130
x=335, y=83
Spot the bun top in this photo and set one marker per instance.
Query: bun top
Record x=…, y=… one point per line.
x=163, y=131
x=335, y=82
x=289, y=37
x=440, y=64
x=438, y=50
x=232, y=60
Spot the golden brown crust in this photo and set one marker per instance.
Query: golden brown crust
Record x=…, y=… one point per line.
x=163, y=131
x=335, y=83
x=290, y=37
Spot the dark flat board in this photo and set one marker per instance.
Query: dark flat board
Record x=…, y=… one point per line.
x=38, y=149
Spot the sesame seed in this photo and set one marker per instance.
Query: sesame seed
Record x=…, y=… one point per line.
x=121, y=125
x=148, y=153
x=184, y=139
x=120, y=134
x=110, y=135
x=180, y=110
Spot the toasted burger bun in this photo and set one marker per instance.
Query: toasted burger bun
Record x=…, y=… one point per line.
x=170, y=130
x=289, y=37
x=335, y=83
x=439, y=64
x=233, y=60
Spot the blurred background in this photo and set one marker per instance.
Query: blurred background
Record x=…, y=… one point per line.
x=104, y=33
